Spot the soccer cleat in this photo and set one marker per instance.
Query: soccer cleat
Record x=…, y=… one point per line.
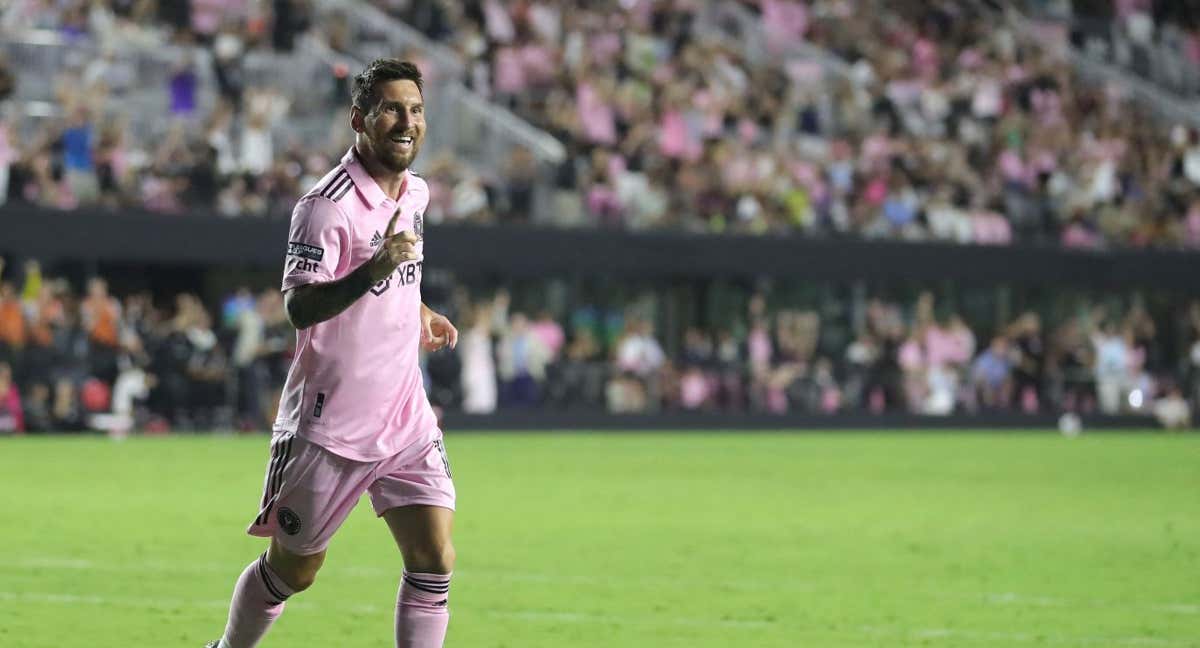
x=213, y=644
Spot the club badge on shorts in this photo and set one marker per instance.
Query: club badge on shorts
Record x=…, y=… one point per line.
x=288, y=521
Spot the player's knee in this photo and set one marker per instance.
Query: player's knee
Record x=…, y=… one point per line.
x=433, y=558
x=298, y=571
x=446, y=559
x=302, y=577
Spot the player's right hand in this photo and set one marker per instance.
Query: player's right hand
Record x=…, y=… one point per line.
x=395, y=249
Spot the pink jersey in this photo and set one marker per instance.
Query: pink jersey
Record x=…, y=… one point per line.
x=354, y=386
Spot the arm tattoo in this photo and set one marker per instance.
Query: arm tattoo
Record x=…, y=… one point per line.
x=315, y=303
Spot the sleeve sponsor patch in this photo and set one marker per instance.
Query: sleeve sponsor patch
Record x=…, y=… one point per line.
x=305, y=251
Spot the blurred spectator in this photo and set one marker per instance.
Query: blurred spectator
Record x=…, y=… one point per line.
x=1029, y=358
x=991, y=375
x=78, y=166
x=101, y=315
x=1112, y=366
x=12, y=416
x=1172, y=410
x=292, y=17
x=8, y=155
x=639, y=358
x=638, y=352
x=182, y=89
x=228, y=49
x=256, y=142
x=580, y=374
x=8, y=80
x=250, y=349
x=478, y=367
x=550, y=333
x=13, y=328
x=521, y=363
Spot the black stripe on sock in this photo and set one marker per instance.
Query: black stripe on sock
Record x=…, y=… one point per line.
x=428, y=581
x=337, y=179
x=430, y=590
x=424, y=587
x=262, y=572
x=425, y=583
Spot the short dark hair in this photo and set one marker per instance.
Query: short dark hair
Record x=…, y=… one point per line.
x=366, y=84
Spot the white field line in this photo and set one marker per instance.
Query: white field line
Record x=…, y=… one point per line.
x=943, y=635
x=545, y=616
x=955, y=637
x=1004, y=599
x=363, y=571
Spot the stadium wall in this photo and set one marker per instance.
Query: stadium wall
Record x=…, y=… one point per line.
x=522, y=251
x=548, y=420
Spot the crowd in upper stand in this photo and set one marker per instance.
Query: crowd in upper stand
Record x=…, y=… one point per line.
x=943, y=125
x=947, y=125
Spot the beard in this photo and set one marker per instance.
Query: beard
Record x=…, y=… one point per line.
x=392, y=159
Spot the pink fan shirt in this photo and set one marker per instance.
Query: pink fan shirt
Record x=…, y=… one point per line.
x=354, y=386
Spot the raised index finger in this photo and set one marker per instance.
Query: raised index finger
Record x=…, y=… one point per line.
x=387, y=233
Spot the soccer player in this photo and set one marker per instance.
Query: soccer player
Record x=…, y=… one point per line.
x=354, y=416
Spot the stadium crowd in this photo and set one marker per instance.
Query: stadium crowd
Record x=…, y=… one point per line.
x=944, y=124
x=240, y=158
x=72, y=359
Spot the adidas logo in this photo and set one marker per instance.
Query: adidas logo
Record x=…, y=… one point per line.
x=376, y=240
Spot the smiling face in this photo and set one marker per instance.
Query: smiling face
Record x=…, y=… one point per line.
x=394, y=129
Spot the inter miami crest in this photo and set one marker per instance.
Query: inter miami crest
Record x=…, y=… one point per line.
x=381, y=286
x=289, y=522
x=418, y=226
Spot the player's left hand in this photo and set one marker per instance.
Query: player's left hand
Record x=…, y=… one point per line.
x=436, y=331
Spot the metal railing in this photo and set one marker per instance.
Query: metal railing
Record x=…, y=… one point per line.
x=1103, y=39
x=40, y=57
x=1163, y=103
x=742, y=29
x=482, y=132
x=476, y=130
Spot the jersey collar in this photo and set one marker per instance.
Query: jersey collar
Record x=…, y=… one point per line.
x=368, y=189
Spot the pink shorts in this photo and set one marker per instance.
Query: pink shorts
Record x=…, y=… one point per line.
x=309, y=491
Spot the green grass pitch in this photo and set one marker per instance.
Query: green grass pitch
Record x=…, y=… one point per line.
x=630, y=540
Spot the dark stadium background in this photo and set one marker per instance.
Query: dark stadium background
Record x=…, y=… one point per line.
x=685, y=213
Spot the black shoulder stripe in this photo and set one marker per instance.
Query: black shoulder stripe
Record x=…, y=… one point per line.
x=342, y=192
x=335, y=187
x=341, y=173
x=337, y=180
x=333, y=194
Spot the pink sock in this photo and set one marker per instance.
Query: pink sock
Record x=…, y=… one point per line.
x=258, y=600
x=422, y=613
